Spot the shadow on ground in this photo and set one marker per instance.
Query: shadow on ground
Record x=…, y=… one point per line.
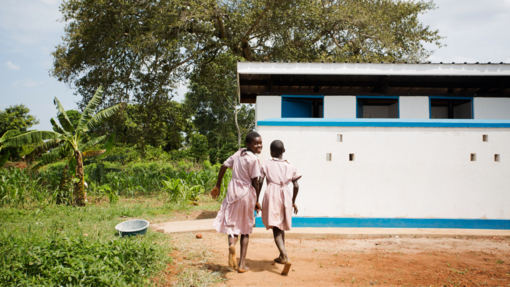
x=207, y=214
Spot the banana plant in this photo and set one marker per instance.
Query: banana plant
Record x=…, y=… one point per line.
x=3, y=140
x=65, y=136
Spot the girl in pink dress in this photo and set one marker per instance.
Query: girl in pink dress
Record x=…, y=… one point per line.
x=278, y=199
x=236, y=216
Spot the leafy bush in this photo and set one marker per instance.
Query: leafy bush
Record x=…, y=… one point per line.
x=28, y=260
x=19, y=187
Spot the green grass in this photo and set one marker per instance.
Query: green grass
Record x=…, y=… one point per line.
x=64, y=245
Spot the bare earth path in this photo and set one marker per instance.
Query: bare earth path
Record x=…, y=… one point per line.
x=365, y=262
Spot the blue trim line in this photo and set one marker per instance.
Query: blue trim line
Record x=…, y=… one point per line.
x=350, y=222
x=401, y=123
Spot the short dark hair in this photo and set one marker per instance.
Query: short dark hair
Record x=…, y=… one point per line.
x=251, y=137
x=277, y=147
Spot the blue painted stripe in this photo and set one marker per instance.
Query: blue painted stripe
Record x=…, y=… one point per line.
x=402, y=123
x=353, y=222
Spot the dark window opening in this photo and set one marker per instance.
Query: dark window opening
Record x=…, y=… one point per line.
x=451, y=109
x=378, y=108
x=302, y=107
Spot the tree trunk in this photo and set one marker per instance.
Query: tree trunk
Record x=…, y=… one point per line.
x=238, y=130
x=63, y=185
x=79, y=191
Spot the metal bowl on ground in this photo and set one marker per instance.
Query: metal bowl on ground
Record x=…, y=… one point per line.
x=132, y=227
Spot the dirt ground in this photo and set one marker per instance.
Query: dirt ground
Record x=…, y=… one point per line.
x=388, y=261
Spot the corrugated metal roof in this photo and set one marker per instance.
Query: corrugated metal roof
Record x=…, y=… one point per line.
x=372, y=79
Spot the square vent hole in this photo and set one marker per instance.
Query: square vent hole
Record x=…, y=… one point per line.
x=351, y=157
x=339, y=138
x=328, y=157
x=473, y=157
x=485, y=138
x=496, y=157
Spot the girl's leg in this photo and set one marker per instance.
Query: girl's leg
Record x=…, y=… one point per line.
x=279, y=239
x=232, y=240
x=245, y=239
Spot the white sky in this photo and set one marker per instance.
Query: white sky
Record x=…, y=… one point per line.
x=476, y=31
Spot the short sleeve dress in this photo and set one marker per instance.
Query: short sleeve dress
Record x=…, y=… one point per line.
x=277, y=202
x=236, y=214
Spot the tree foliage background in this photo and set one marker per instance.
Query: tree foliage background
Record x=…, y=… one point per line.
x=140, y=50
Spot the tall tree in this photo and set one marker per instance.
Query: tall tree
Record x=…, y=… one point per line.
x=213, y=94
x=15, y=118
x=139, y=49
x=72, y=137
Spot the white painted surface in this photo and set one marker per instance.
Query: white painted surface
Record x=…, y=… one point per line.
x=398, y=172
x=340, y=107
x=414, y=107
x=374, y=69
x=492, y=108
x=268, y=107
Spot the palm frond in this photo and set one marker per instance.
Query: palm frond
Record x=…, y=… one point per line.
x=31, y=137
x=45, y=146
x=57, y=128
x=102, y=115
x=93, y=153
x=91, y=107
x=92, y=143
x=108, y=145
x=62, y=117
x=9, y=134
x=48, y=158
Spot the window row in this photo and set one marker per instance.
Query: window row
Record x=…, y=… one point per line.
x=377, y=107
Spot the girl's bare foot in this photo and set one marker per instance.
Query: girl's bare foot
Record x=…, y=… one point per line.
x=286, y=268
x=243, y=269
x=232, y=262
x=280, y=260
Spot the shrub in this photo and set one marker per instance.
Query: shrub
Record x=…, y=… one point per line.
x=59, y=260
x=199, y=149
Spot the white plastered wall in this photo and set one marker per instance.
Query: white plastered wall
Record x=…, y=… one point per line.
x=414, y=107
x=491, y=108
x=340, y=107
x=268, y=107
x=398, y=172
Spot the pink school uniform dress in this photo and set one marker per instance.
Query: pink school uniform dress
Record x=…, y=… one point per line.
x=236, y=214
x=277, y=202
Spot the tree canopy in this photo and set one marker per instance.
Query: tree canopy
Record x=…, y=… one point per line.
x=16, y=117
x=140, y=49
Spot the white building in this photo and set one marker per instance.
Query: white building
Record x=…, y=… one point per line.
x=389, y=145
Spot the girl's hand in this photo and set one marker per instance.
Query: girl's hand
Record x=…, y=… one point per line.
x=257, y=207
x=295, y=208
x=215, y=192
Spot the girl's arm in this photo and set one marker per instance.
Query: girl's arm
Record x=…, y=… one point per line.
x=221, y=174
x=255, y=184
x=296, y=190
x=261, y=183
x=216, y=190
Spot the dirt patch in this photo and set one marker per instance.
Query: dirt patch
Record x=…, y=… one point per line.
x=17, y=164
x=366, y=262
